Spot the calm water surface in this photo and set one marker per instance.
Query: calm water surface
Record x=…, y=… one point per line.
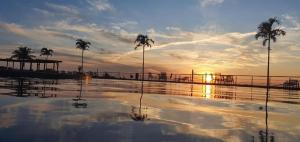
x=113, y=110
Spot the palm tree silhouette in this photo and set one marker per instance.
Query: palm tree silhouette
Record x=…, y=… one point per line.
x=142, y=41
x=83, y=45
x=46, y=52
x=22, y=53
x=267, y=31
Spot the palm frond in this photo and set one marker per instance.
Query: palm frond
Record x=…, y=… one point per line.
x=143, y=40
x=81, y=44
x=274, y=39
x=267, y=31
x=22, y=52
x=265, y=41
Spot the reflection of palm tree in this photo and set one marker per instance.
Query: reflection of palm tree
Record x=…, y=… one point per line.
x=265, y=135
x=138, y=116
x=44, y=89
x=143, y=40
x=22, y=53
x=83, y=45
x=22, y=87
x=268, y=32
x=46, y=52
x=78, y=101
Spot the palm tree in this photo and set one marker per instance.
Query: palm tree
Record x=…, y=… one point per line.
x=269, y=31
x=46, y=52
x=22, y=53
x=143, y=40
x=83, y=45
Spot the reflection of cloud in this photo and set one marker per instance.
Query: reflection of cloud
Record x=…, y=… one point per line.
x=7, y=120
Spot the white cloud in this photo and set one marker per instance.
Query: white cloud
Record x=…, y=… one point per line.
x=63, y=8
x=173, y=28
x=44, y=12
x=205, y=3
x=189, y=49
x=124, y=25
x=100, y=5
x=291, y=22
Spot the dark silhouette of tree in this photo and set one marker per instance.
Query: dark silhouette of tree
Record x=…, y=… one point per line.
x=269, y=31
x=46, y=52
x=143, y=41
x=83, y=45
x=22, y=53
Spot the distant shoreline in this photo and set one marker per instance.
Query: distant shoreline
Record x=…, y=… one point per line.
x=51, y=74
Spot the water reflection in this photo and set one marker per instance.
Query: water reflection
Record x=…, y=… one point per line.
x=48, y=85
x=173, y=118
x=140, y=115
x=207, y=91
x=79, y=102
x=22, y=87
x=265, y=135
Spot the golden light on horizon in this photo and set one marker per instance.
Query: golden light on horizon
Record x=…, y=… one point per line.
x=208, y=78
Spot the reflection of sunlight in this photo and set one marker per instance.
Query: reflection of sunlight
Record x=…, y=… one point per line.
x=87, y=79
x=207, y=90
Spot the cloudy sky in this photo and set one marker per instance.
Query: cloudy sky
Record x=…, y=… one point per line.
x=204, y=35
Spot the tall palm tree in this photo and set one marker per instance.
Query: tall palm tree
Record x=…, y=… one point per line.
x=83, y=45
x=46, y=52
x=22, y=53
x=142, y=41
x=268, y=31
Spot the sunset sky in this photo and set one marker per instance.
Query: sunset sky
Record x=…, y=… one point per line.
x=204, y=35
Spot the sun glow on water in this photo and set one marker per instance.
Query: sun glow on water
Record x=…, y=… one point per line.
x=207, y=91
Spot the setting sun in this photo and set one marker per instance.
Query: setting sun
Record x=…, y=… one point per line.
x=208, y=78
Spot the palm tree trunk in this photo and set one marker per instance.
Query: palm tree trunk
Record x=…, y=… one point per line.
x=82, y=62
x=268, y=88
x=81, y=75
x=142, y=87
x=143, y=70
